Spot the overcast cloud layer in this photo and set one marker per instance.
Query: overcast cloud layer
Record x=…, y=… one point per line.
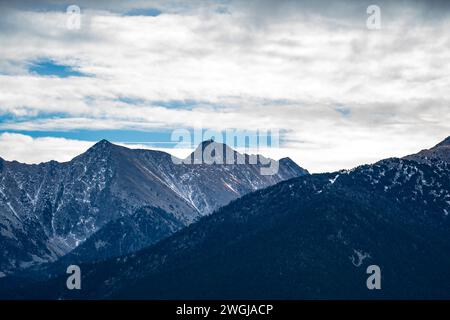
x=344, y=95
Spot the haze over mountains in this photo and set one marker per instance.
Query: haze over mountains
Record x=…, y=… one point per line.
x=311, y=237
x=140, y=196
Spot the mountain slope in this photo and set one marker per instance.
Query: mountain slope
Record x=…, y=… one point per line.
x=47, y=210
x=440, y=152
x=309, y=237
x=124, y=235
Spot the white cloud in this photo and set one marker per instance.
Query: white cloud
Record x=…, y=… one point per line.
x=26, y=149
x=288, y=71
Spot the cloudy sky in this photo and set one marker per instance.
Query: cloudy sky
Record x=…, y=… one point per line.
x=341, y=94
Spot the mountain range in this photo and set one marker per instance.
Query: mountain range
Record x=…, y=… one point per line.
x=112, y=200
x=309, y=237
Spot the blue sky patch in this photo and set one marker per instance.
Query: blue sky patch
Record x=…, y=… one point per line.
x=48, y=67
x=148, y=12
x=131, y=100
x=344, y=111
x=158, y=138
x=151, y=139
x=178, y=104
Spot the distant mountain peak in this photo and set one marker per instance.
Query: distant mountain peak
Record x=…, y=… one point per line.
x=101, y=149
x=292, y=165
x=213, y=146
x=208, y=142
x=103, y=143
x=101, y=146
